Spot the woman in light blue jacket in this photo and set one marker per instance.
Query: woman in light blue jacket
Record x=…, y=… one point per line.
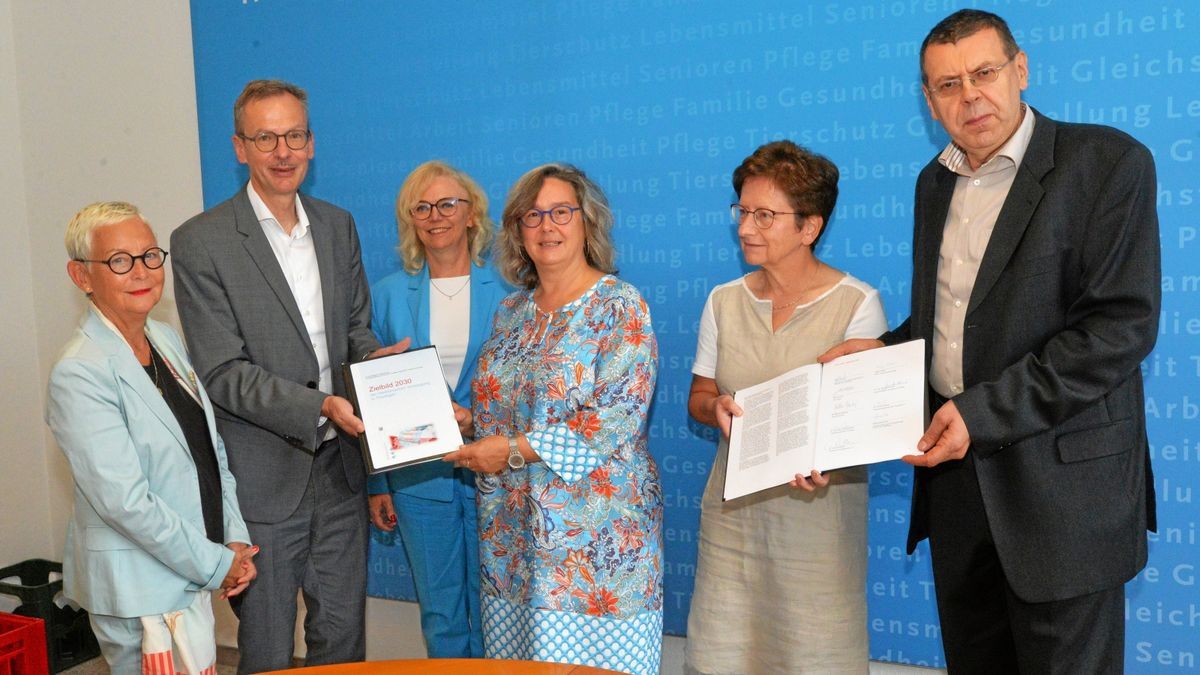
x=445, y=296
x=156, y=524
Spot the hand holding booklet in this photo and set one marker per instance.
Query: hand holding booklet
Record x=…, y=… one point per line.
x=862, y=408
x=404, y=404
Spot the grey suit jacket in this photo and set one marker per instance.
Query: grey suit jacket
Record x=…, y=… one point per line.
x=1064, y=309
x=250, y=346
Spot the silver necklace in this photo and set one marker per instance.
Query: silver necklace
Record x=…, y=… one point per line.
x=450, y=296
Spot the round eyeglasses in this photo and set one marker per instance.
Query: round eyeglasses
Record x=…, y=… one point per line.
x=266, y=141
x=446, y=207
x=122, y=263
x=559, y=215
x=762, y=217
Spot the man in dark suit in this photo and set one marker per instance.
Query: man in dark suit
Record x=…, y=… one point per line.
x=273, y=298
x=1036, y=288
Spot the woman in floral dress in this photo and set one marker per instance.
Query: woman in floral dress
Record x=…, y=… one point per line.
x=570, y=506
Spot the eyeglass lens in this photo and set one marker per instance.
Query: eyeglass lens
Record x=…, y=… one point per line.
x=122, y=263
x=985, y=75
x=296, y=139
x=446, y=207
x=559, y=215
x=762, y=217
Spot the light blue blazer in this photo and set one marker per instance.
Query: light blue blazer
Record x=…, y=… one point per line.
x=136, y=544
x=400, y=309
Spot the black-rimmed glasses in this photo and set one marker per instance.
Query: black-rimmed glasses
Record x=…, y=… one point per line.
x=446, y=207
x=954, y=86
x=762, y=217
x=122, y=263
x=559, y=215
x=266, y=141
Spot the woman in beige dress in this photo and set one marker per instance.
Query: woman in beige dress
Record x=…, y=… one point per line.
x=780, y=580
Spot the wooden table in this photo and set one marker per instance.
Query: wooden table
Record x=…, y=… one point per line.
x=451, y=667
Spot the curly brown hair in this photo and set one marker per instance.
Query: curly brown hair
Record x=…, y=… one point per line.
x=809, y=180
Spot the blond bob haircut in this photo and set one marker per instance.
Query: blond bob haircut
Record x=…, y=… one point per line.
x=257, y=90
x=79, y=231
x=514, y=263
x=412, y=252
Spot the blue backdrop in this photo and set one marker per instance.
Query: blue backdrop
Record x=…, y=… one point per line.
x=659, y=100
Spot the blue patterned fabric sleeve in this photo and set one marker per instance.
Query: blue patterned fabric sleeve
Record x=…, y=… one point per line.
x=624, y=359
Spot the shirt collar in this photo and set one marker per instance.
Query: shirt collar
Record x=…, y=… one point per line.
x=1011, y=153
x=267, y=219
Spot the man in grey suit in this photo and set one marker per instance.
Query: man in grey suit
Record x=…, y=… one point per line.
x=1036, y=288
x=273, y=298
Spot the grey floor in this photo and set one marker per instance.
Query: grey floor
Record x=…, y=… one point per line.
x=226, y=664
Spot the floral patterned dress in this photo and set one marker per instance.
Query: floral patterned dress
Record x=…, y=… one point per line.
x=571, y=546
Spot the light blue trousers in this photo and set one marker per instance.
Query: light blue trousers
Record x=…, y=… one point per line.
x=441, y=540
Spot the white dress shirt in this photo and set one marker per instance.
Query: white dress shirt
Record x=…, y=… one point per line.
x=298, y=259
x=979, y=195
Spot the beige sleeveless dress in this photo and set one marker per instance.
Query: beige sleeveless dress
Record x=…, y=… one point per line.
x=780, y=579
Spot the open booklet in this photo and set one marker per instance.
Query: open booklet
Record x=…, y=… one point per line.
x=860, y=409
x=404, y=404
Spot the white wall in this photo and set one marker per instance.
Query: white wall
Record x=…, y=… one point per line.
x=25, y=529
x=97, y=101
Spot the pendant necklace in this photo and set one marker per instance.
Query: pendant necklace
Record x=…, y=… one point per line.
x=450, y=296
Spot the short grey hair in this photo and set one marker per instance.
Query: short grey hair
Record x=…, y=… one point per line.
x=257, y=90
x=81, y=227
x=963, y=24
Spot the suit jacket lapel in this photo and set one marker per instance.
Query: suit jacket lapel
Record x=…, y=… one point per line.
x=129, y=371
x=263, y=255
x=1023, y=199
x=322, y=236
x=167, y=348
x=933, y=226
x=418, y=306
x=482, y=286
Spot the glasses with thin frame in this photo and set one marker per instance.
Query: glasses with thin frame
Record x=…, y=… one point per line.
x=446, y=207
x=266, y=141
x=122, y=263
x=954, y=86
x=559, y=215
x=763, y=218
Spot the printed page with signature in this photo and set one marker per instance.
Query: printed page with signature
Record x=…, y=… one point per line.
x=860, y=409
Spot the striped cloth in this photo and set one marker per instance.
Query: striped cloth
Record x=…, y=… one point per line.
x=182, y=641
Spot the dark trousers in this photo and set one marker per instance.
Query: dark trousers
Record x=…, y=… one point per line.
x=320, y=551
x=986, y=628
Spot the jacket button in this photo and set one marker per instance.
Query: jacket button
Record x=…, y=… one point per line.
x=311, y=384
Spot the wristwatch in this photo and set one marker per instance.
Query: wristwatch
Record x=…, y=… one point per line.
x=515, y=459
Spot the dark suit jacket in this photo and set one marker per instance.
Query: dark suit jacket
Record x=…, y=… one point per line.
x=250, y=346
x=1064, y=309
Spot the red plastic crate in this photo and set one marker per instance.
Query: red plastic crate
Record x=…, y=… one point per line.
x=22, y=645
